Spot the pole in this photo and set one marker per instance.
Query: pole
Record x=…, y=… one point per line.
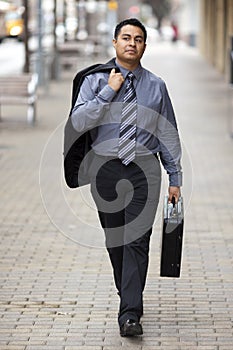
x=55, y=61
x=64, y=19
x=111, y=20
x=231, y=59
x=26, y=68
x=40, y=58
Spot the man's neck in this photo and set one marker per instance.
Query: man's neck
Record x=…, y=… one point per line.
x=128, y=65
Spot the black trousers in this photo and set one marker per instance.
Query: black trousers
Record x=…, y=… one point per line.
x=127, y=198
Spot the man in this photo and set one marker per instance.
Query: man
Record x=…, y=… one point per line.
x=131, y=120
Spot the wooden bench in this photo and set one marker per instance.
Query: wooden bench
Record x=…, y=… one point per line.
x=69, y=53
x=20, y=89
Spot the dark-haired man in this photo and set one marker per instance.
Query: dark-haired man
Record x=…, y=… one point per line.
x=131, y=120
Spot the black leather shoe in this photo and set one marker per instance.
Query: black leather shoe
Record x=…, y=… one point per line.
x=131, y=328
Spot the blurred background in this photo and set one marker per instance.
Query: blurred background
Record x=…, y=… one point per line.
x=47, y=36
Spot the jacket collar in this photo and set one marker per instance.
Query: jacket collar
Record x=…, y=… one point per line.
x=137, y=72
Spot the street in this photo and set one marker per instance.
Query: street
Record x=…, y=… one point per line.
x=56, y=288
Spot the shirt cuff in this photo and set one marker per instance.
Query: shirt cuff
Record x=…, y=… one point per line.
x=107, y=94
x=175, y=179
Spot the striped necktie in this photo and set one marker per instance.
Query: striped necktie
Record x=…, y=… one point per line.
x=127, y=138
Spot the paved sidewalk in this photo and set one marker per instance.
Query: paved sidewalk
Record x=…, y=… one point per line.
x=56, y=294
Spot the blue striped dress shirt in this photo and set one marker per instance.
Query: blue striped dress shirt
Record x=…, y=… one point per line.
x=98, y=109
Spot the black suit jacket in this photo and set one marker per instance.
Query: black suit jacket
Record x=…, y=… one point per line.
x=76, y=144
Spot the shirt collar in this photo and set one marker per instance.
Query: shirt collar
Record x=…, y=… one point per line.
x=137, y=72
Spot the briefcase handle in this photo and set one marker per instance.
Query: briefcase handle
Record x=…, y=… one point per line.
x=173, y=201
x=173, y=210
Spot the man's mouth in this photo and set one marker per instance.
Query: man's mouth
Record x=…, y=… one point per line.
x=131, y=51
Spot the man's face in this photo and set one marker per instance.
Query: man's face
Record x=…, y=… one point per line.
x=130, y=44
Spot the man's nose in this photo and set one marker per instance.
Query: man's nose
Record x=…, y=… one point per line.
x=132, y=42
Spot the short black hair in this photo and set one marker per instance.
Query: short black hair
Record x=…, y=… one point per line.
x=133, y=22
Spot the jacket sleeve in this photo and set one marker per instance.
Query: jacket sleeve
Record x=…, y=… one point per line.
x=170, y=147
x=90, y=105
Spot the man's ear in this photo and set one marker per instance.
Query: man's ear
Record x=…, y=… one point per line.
x=114, y=42
x=145, y=47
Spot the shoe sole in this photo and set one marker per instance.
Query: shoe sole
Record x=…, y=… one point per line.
x=132, y=332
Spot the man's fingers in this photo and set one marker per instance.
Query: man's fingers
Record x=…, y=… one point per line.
x=115, y=80
x=173, y=192
x=113, y=71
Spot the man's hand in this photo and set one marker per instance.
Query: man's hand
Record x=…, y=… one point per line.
x=115, y=80
x=173, y=191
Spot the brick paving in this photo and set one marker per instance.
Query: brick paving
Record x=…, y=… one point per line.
x=56, y=294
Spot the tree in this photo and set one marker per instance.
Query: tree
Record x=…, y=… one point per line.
x=161, y=9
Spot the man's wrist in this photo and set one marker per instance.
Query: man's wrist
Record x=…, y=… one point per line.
x=175, y=180
x=107, y=94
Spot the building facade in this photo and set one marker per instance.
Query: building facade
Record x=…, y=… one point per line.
x=216, y=33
